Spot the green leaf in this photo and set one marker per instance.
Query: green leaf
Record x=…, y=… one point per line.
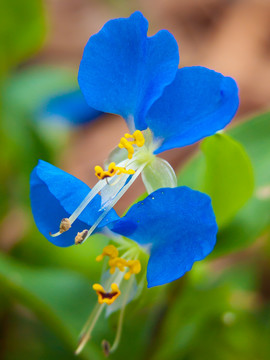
x=254, y=135
x=23, y=139
x=22, y=30
x=61, y=299
x=24, y=96
x=247, y=226
x=254, y=219
x=25, y=334
x=216, y=312
x=228, y=177
x=76, y=258
x=27, y=90
x=225, y=174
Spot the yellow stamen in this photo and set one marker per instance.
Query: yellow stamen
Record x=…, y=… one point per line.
x=102, y=174
x=121, y=170
x=125, y=144
x=107, y=297
x=112, y=170
x=134, y=268
x=109, y=250
x=137, y=138
x=117, y=263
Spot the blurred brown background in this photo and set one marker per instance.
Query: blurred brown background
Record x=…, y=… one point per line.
x=229, y=36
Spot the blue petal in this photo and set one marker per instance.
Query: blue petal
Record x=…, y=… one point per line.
x=69, y=107
x=55, y=195
x=123, y=71
x=198, y=103
x=180, y=226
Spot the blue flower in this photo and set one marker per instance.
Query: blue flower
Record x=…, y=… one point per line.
x=127, y=73
x=176, y=225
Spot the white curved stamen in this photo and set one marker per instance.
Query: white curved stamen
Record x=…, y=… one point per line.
x=89, y=197
x=96, y=189
x=109, y=192
x=100, y=185
x=113, y=202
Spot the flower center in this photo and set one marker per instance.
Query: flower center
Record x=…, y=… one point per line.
x=122, y=264
x=118, y=180
x=127, y=142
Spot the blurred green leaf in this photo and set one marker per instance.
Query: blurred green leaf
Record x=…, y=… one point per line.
x=25, y=334
x=224, y=173
x=22, y=30
x=253, y=134
x=26, y=90
x=61, y=299
x=76, y=258
x=228, y=176
x=20, y=147
x=217, y=317
x=22, y=139
x=254, y=218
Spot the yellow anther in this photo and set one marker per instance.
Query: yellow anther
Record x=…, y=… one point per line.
x=102, y=174
x=139, y=138
x=117, y=263
x=121, y=170
x=125, y=144
x=136, y=138
x=112, y=170
x=109, y=250
x=107, y=297
x=134, y=268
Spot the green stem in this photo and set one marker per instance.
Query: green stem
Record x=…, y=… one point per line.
x=86, y=336
x=121, y=318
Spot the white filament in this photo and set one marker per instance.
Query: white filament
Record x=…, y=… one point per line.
x=96, y=189
x=114, y=201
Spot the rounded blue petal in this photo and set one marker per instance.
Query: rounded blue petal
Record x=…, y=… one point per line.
x=180, y=227
x=70, y=107
x=55, y=195
x=198, y=103
x=123, y=71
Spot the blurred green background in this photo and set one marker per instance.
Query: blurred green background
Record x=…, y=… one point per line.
x=221, y=309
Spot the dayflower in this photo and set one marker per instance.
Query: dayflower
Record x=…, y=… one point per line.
x=127, y=73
